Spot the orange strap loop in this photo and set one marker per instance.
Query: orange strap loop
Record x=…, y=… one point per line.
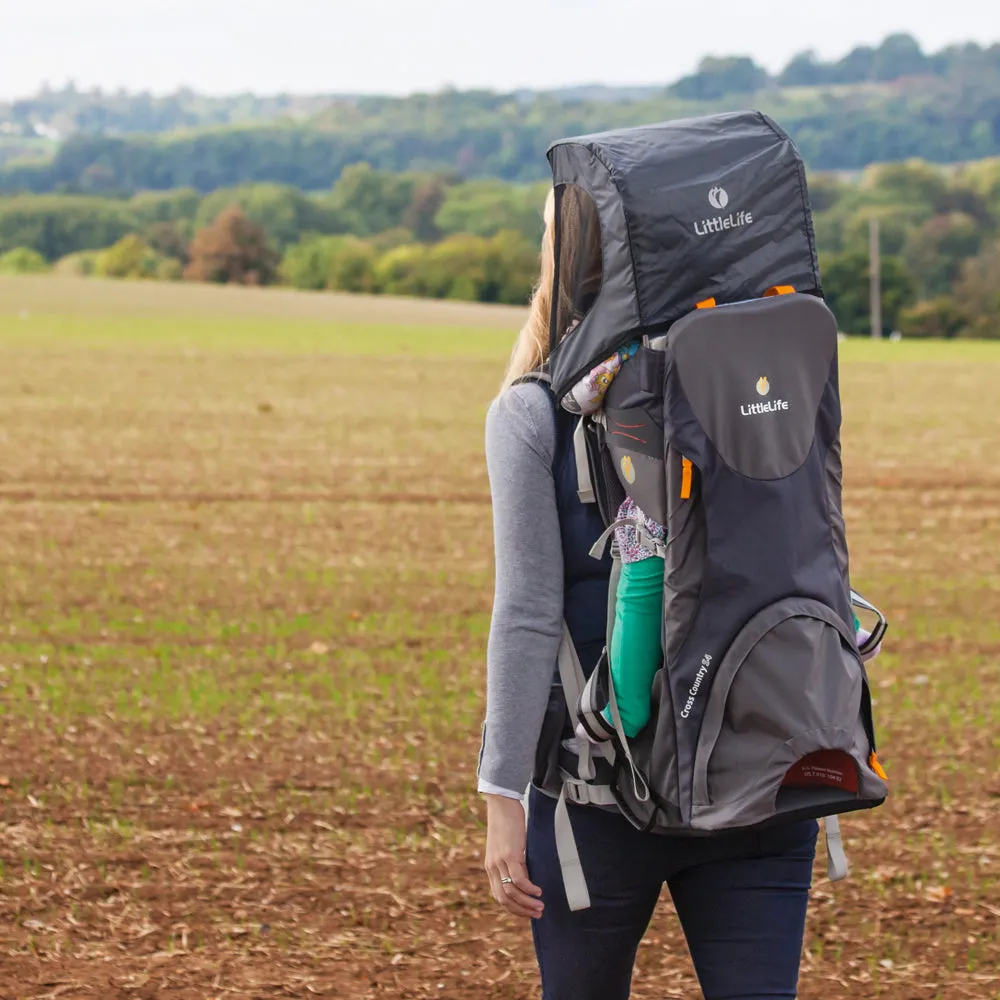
x=780, y=290
x=706, y=304
x=687, y=471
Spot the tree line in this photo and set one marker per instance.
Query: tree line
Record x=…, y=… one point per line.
x=877, y=104
x=395, y=233
x=427, y=234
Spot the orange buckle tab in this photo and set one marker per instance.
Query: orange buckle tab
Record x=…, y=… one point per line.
x=873, y=763
x=687, y=470
x=780, y=290
x=706, y=304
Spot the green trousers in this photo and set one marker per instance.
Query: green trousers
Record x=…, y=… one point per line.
x=636, y=653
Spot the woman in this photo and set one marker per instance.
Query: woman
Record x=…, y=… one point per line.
x=741, y=898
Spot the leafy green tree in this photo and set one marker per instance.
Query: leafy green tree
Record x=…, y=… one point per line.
x=912, y=183
x=978, y=292
x=22, y=260
x=846, y=283
x=403, y=271
x=168, y=240
x=371, y=201
x=899, y=55
x=935, y=252
x=56, y=225
x=857, y=66
x=130, y=257
x=307, y=264
x=178, y=206
x=940, y=318
x=390, y=239
x=353, y=267
x=511, y=269
x=421, y=213
x=483, y=208
x=282, y=212
x=804, y=70
x=718, y=77
x=169, y=269
x=81, y=264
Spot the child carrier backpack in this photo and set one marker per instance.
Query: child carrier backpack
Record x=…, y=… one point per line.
x=724, y=426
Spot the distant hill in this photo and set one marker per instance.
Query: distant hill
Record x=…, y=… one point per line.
x=882, y=103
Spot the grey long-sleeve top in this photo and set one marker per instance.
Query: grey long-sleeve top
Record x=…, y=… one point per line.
x=526, y=627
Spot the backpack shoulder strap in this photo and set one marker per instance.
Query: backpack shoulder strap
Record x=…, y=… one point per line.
x=585, y=483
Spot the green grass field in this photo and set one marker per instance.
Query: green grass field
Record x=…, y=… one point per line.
x=245, y=540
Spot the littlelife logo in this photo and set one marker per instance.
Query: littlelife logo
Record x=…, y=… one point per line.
x=718, y=198
x=771, y=406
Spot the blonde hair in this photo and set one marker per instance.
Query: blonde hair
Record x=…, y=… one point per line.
x=581, y=244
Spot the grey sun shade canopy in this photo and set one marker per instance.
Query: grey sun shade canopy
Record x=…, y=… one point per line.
x=713, y=207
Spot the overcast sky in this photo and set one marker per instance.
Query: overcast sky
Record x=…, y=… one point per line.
x=399, y=46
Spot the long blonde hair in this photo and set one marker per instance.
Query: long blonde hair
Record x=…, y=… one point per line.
x=581, y=245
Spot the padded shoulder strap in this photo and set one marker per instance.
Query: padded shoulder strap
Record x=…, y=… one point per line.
x=585, y=485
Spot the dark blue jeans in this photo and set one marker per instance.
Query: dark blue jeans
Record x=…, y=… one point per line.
x=741, y=899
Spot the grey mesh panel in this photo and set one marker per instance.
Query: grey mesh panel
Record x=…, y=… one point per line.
x=755, y=376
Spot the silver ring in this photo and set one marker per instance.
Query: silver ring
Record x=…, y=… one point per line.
x=506, y=880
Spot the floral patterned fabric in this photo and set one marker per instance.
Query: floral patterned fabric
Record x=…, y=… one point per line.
x=588, y=394
x=632, y=550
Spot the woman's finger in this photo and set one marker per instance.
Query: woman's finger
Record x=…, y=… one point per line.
x=519, y=873
x=521, y=891
x=516, y=900
x=516, y=903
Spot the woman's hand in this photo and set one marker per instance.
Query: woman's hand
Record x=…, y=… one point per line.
x=505, y=843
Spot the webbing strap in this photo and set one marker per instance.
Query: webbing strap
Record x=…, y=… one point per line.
x=645, y=538
x=590, y=713
x=637, y=778
x=571, y=674
x=574, y=880
x=583, y=793
x=837, y=867
x=576, y=789
x=584, y=484
x=573, y=680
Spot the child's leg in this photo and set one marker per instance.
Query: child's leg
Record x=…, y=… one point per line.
x=636, y=653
